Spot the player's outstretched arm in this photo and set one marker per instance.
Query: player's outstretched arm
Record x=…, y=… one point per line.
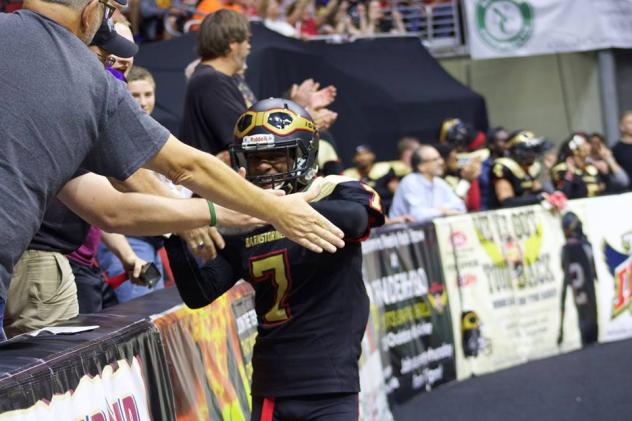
x=197, y=286
x=210, y=178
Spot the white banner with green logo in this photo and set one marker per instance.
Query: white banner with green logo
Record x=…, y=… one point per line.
x=506, y=28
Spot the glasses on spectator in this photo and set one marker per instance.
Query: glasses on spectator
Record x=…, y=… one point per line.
x=108, y=9
x=108, y=61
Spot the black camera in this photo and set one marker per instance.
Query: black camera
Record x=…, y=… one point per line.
x=149, y=275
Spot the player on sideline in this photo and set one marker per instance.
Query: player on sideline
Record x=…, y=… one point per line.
x=311, y=308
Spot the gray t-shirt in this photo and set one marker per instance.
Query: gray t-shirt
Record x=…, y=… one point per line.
x=59, y=110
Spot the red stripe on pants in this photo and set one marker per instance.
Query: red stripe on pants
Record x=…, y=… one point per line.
x=267, y=409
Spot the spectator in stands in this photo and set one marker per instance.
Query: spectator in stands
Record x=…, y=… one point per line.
x=405, y=148
x=213, y=102
x=622, y=150
x=423, y=194
x=379, y=175
x=376, y=22
x=155, y=15
x=142, y=86
x=274, y=19
x=49, y=133
x=497, y=145
x=515, y=176
x=603, y=159
x=576, y=176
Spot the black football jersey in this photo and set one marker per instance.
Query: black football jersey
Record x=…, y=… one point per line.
x=523, y=182
x=312, y=308
x=579, y=273
x=586, y=182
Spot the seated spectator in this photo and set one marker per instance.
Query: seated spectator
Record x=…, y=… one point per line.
x=423, y=194
x=405, y=148
x=575, y=175
x=515, y=176
x=379, y=175
x=603, y=159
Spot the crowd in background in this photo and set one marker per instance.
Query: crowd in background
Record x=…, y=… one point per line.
x=153, y=20
x=460, y=170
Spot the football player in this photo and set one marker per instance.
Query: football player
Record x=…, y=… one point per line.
x=580, y=275
x=311, y=308
x=515, y=176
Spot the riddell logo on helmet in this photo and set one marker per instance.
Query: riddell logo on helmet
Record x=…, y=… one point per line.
x=258, y=140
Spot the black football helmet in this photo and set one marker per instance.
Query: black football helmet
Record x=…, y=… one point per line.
x=278, y=124
x=572, y=226
x=456, y=133
x=524, y=147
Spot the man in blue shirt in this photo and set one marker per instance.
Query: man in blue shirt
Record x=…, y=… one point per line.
x=423, y=194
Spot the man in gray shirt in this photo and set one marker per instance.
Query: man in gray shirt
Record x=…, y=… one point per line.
x=60, y=111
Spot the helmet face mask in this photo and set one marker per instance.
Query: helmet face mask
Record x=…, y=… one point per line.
x=525, y=148
x=281, y=133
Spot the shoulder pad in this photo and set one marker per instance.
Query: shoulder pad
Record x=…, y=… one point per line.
x=592, y=170
x=326, y=153
x=379, y=170
x=351, y=173
x=510, y=164
x=399, y=168
x=535, y=169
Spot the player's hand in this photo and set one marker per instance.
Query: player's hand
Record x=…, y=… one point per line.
x=133, y=265
x=204, y=242
x=472, y=170
x=299, y=222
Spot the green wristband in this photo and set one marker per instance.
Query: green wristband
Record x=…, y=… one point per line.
x=211, y=209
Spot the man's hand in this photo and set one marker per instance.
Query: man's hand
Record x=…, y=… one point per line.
x=204, y=242
x=301, y=94
x=299, y=222
x=132, y=264
x=233, y=219
x=324, y=118
x=322, y=98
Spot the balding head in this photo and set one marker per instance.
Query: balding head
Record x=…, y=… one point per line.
x=427, y=161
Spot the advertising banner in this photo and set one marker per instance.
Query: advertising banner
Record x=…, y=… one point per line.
x=505, y=28
x=404, y=280
x=504, y=276
x=121, y=376
x=605, y=226
x=206, y=365
x=117, y=393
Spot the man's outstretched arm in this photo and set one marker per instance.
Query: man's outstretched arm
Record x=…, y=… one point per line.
x=94, y=199
x=210, y=178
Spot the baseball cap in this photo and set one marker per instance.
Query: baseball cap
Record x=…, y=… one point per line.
x=107, y=38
